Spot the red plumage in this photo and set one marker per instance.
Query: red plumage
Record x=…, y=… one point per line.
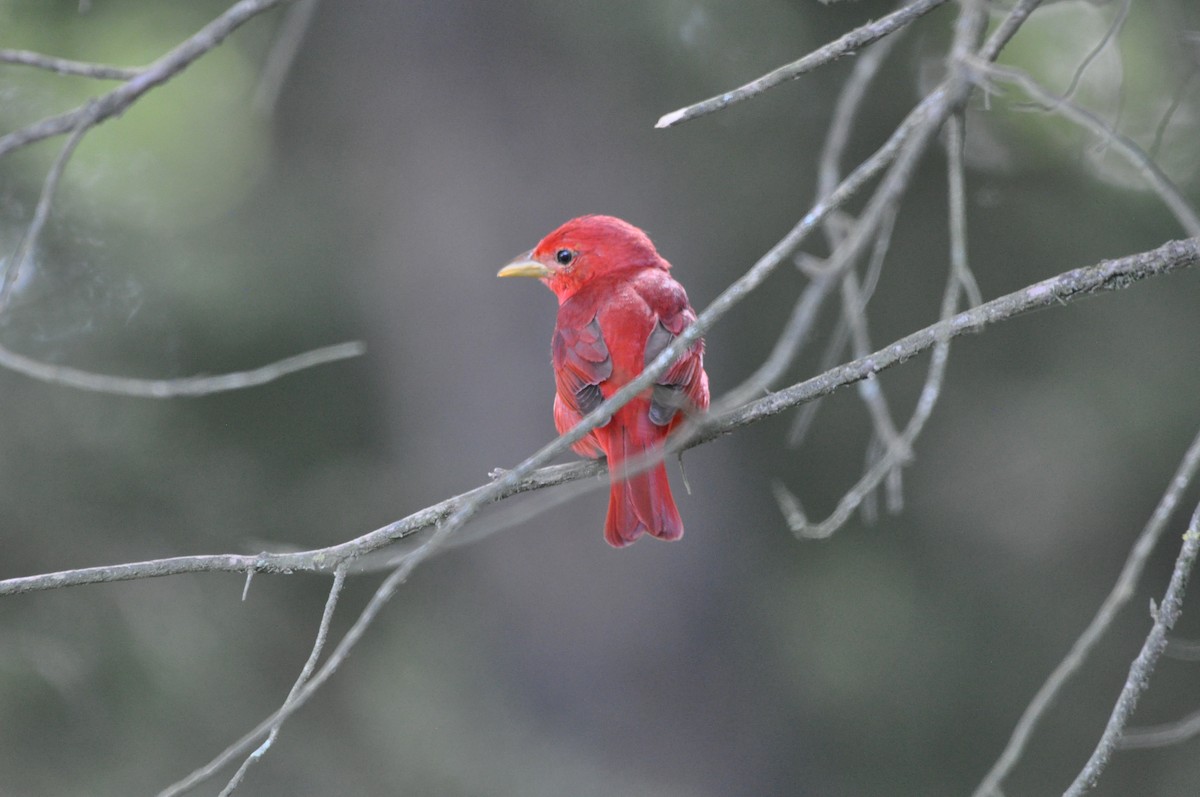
x=618, y=309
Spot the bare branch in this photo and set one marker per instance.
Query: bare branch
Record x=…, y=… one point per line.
x=854, y=301
x=1143, y=666
x=321, y=560
x=855, y=298
x=1007, y=28
x=854, y=40
x=841, y=334
x=78, y=122
x=787, y=346
x=64, y=66
x=837, y=139
x=168, y=66
x=42, y=212
x=1060, y=290
x=335, y=591
x=1164, y=735
x=382, y=595
x=1120, y=595
x=1109, y=36
x=1108, y=275
x=897, y=449
x=850, y=99
x=1159, y=182
x=1184, y=650
x=957, y=192
x=174, y=388
x=1160, y=132
x=283, y=54
x=927, y=118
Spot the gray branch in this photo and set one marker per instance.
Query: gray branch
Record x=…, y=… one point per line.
x=114, y=103
x=853, y=41
x=1059, y=290
x=78, y=122
x=65, y=66
x=1116, y=599
x=174, y=388
x=1143, y=666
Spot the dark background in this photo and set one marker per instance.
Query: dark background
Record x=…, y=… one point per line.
x=415, y=148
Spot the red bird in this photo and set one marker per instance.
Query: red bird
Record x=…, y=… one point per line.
x=618, y=308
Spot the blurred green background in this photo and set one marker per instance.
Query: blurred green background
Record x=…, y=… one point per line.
x=414, y=149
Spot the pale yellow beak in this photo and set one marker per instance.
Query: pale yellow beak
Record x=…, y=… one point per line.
x=523, y=265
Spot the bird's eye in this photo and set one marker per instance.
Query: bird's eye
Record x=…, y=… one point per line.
x=564, y=257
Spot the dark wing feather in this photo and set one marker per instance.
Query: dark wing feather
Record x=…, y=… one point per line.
x=581, y=363
x=683, y=385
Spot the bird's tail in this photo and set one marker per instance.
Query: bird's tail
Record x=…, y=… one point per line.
x=641, y=503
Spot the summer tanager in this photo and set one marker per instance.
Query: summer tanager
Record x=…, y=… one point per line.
x=618, y=308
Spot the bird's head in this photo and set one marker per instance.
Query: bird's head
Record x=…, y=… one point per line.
x=583, y=250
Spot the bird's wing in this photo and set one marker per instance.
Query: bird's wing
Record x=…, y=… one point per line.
x=581, y=362
x=684, y=385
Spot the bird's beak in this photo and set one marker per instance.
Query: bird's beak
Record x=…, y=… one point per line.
x=524, y=265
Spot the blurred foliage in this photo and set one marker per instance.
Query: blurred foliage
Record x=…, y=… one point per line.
x=415, y=148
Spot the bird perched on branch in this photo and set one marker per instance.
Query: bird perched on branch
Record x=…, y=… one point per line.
x=618, y=310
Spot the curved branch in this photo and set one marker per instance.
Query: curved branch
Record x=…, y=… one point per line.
x=42, y=212
x=1116, y=599
x=1142, y=668
x=1059, y=290
x=64, y=66
x=1170, y=733
x=1158, y=181
x=174, y=388
x=849, y=43
x=168, y=66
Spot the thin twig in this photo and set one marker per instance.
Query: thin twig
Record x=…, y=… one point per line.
x=1060, y=290
x=42, y=212
x=787, y=346
x=938, y=102
x=845, y=111
x=174, y=388
x=1143, y=666
x=1160, y=131
x=943, y=101
x=1116, y=599
x=337, y=657
x=957, y=193
x=853, y=321
x=1108, y=275
x=1007, y=28
x=841, y=334
x=1184, y=650
x=807, y=414
x=897, y=452
x=310, y=664
x=383, y=594
x=283, y=55
x=1158, y=181
x=320, y=560
x=854, y=40
x=1109, y=36
x=78, y=122
x=789, y=343
x=65, y=66
x=168, y=66
x=1165, y=735
x=854, y=312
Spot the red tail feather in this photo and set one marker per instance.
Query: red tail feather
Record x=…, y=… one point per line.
x=641, y=503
